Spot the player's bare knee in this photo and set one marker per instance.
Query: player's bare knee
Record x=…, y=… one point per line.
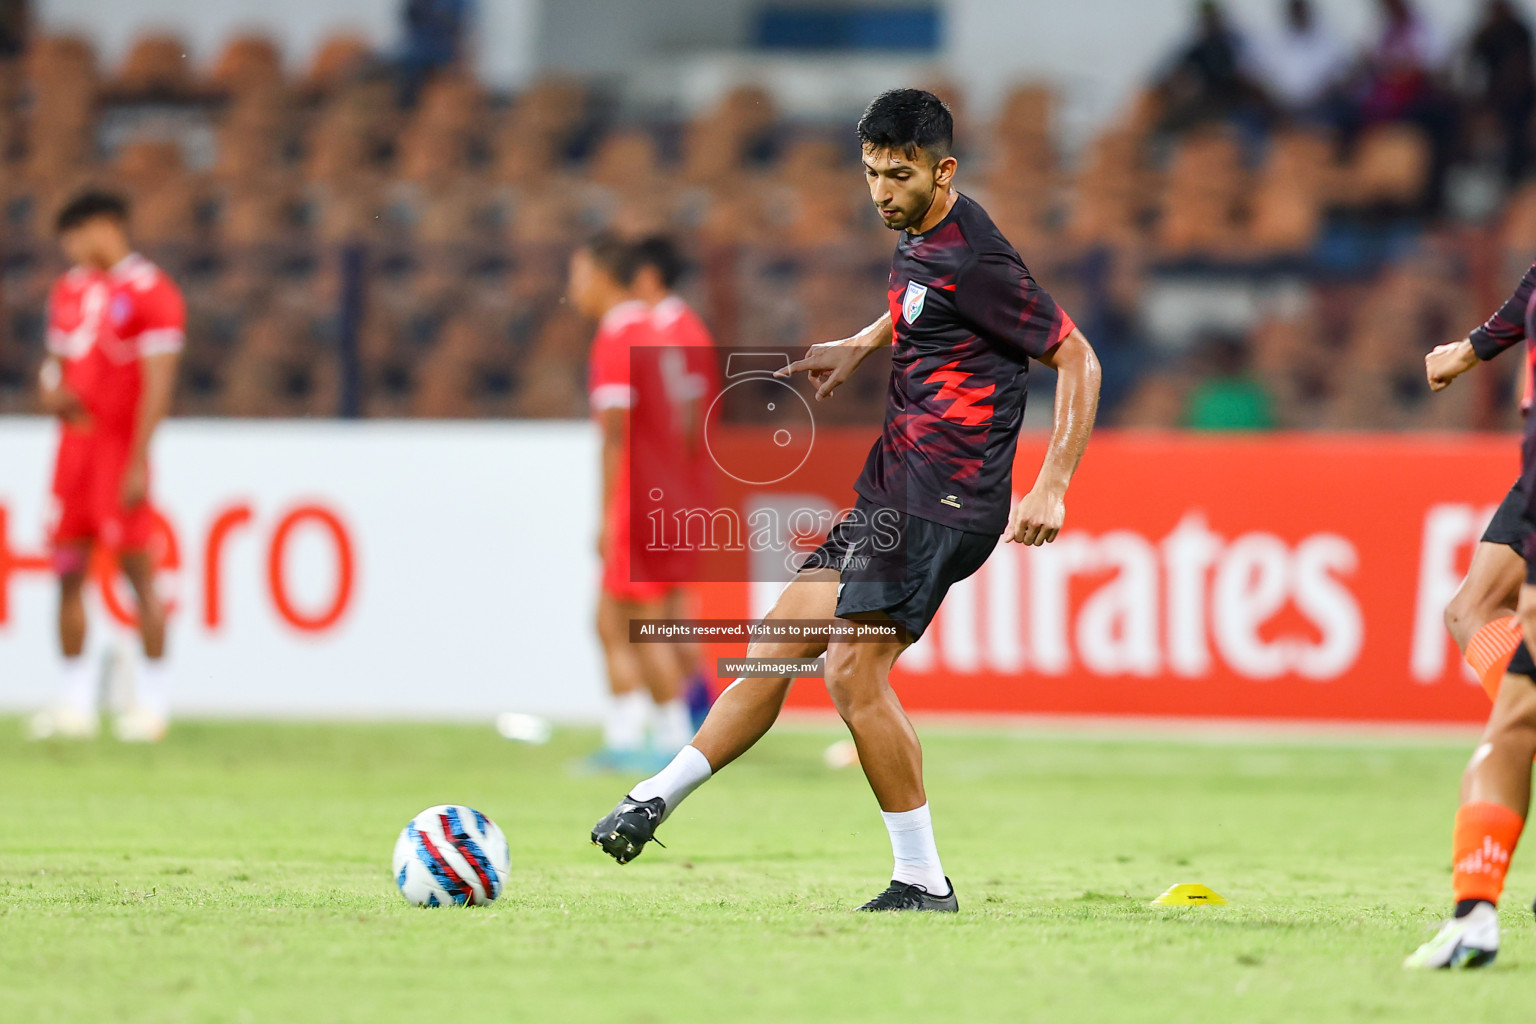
x=851, y=682
x=606, y=628
x=1515, y=738
x=1468, y=610
x=1456, y=618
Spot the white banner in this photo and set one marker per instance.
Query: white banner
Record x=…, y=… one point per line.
x=335, y=569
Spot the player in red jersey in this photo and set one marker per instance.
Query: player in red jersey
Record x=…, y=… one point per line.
x=115, y=334
x=682, y=330
x=640, y=401
x=965, y=321
x=1496, y=786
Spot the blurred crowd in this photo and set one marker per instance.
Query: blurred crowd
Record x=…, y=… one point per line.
x=1270, y=235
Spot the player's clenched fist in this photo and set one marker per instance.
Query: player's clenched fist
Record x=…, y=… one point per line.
x=1037, y=518
x=1447, y=362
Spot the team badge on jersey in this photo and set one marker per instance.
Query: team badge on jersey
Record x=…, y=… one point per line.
x=912, y=301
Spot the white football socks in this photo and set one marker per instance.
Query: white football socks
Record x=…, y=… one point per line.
x=916, y=854
x=78, y=679
x=672, y=726
x=151, y=692
x=624, y=728
x=688, y=771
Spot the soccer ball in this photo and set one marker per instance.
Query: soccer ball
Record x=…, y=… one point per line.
x=451, y=854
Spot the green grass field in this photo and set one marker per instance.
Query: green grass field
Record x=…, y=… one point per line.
x=240, y=873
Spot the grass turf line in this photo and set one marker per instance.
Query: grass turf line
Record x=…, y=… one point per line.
x=239, y=872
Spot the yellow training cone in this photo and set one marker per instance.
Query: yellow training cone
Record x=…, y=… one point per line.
x=1188, y=894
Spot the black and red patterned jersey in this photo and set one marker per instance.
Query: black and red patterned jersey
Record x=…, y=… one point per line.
x=1505, y=329
x=1510, y=326
x=967, y=317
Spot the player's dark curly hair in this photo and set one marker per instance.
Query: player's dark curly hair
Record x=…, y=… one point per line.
x=906, y=120
x=88, y=206
x=660, y=251
x=619, y=259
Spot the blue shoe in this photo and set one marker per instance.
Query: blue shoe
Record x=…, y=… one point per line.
x=608, y=761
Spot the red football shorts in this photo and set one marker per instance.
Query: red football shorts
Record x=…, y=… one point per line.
x=634, y=573
x=87, y=489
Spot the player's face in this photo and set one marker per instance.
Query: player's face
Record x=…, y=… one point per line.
x=99, y=242
x=76, y=245
x=584, y=288
x=904, y=187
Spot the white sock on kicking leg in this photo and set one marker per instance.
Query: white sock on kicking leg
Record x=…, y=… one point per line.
x=916, y=854
x=688, y=771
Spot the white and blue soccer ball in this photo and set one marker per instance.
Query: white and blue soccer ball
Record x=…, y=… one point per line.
x=451, y=855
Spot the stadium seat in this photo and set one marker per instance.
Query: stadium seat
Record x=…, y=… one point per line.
x=1286, y=205
x=1025, y=133
x=1203, y=188
x=156, y=65
x=1111, y=193
x=338, y=61
x=251, y=140
x=451, y=102
x=247, y=62
x=1390, y=167
x=430, y=155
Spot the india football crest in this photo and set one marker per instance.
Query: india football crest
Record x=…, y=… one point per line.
x=912, y=301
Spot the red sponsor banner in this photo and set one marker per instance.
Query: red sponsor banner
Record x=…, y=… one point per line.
x=1290, y=576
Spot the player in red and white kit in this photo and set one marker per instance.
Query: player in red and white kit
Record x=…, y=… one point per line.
x=660, y=268
x=115, y=334
x=642, y=401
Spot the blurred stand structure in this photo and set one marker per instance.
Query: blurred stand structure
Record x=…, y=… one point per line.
x=1327, y=216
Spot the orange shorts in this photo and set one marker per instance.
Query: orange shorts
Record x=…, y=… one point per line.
x=87, y=490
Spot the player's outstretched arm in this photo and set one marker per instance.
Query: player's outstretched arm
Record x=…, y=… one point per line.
x=1447, y=362
x=611, y=422
x=1504, y=329
x=832, y=362
x=1039, y=515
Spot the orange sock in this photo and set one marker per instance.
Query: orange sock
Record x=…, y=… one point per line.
x=1484, y=840
x=1491, y=648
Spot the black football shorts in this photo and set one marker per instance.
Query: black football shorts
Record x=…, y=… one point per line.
x=897, y=564
x=1511, y=524
x=1522, y=664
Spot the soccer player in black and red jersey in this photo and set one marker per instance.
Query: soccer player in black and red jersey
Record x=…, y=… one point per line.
x=1480, y=617
x=1496, y=787
x=965, y=318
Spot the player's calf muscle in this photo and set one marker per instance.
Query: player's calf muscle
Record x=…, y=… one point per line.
x=857, y=674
